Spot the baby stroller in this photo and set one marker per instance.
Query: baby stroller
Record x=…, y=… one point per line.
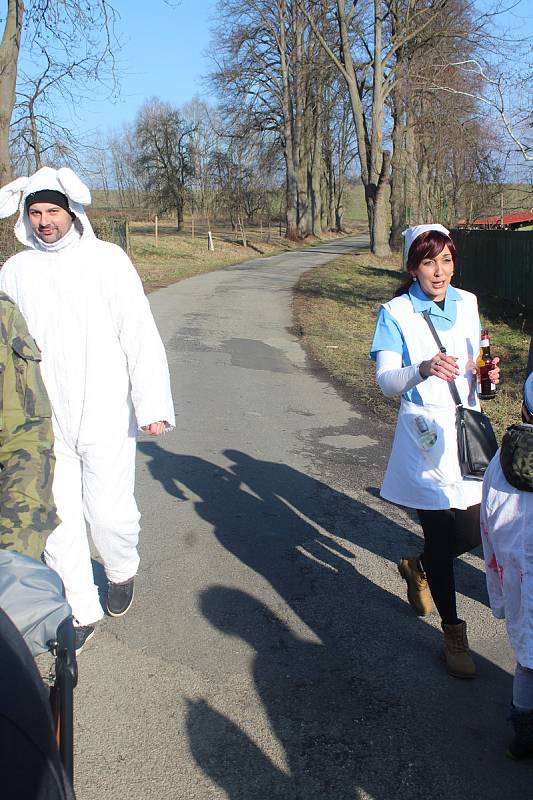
x=36, y=729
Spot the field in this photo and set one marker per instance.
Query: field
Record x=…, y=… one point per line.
x=180, y=255
x=336, y=307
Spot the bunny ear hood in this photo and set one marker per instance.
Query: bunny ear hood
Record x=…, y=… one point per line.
x=72, y=186
x=62, y=180
x=10, y=196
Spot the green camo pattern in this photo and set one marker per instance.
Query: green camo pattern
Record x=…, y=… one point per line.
x=516, y=456
x=27, y=510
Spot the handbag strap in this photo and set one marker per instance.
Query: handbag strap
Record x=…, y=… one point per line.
x=451, y=384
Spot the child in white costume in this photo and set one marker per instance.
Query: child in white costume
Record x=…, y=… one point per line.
x=106, y=373
x=507, y=536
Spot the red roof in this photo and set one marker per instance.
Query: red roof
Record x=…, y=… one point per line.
x=517, y=217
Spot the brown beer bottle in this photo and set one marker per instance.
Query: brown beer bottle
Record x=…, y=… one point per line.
x=485, y=388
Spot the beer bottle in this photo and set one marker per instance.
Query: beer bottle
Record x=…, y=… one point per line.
x=485, y=388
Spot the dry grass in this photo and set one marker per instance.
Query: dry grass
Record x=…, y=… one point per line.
x=336, y=307
x=179, y=255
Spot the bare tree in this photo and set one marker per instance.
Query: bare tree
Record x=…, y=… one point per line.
x=339, y=153
x=9, y=54
x=365, y=54
x=440, y=146
x=270, y=70
x=163, y=161
x=508, y=98
x=61, y=42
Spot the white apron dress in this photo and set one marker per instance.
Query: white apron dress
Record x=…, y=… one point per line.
x=431, y=479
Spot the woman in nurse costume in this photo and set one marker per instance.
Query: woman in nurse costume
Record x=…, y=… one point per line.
x=423, y=471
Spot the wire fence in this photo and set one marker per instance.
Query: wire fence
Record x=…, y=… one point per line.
x=117, y=228
x=107, y=228
x=200, y=228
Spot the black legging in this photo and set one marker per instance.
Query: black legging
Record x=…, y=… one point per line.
x=447, y=534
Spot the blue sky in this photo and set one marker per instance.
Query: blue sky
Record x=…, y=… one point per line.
x=163, y=56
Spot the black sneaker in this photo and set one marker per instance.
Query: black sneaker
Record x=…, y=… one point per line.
x=82, y=634
x=119, y=597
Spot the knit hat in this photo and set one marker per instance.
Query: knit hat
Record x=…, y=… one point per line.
x=411, y=234
x=48, y=196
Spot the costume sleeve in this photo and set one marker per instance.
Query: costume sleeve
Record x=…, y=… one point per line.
x=392, y=378
x=27, y=510
x=492, y=568
x=387, y=334
x=8, y=283
x=140, y=340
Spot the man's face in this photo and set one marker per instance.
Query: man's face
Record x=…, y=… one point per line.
x=49, y=222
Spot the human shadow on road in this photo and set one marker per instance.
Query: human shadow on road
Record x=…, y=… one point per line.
x=356, y=716
x=290, y=504
x=362, y=702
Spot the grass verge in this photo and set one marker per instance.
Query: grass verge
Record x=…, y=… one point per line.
x=336, y=307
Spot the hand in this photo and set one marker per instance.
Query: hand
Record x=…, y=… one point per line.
x=155, y=428
x=441, y=366
x=494, y=374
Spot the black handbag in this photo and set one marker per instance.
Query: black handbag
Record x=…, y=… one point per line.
x=476, y=441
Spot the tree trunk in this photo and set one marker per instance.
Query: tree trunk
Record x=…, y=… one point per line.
x=291, y=186
x=317, y=135
x=300, y=111
x=379, y=160
x=179, y=213
x=331, y=197
x=411, y=169
x=291, y=199
x=371, y=158
x=9, y=53
x=397, y=195
x=380, y=230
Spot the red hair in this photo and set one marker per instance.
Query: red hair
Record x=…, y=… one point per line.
x=428, y=245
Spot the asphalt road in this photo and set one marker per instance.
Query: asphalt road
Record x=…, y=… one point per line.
x=270, y=652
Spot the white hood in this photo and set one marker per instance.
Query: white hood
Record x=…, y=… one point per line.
x=13, y=196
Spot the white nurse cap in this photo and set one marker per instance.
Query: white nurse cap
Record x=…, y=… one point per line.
x=411, y=234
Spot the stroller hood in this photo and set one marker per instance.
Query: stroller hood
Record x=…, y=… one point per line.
x=31, y=594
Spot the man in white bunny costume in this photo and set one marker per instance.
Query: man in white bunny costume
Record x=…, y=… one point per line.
x=106, y=372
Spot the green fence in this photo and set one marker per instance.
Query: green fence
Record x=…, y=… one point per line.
x=497, y=262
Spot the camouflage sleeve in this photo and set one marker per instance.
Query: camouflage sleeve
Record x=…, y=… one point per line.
x=27, y=510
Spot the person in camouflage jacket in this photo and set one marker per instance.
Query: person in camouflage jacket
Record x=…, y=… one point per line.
x=27, y=510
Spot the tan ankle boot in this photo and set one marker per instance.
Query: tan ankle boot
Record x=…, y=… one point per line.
x=418, y=593
x=458, y=657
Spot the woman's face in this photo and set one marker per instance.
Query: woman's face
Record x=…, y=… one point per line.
x=434, y=274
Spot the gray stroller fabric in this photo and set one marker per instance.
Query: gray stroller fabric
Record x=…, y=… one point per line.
x=31, y=594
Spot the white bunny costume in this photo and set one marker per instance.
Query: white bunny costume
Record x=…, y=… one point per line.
x=106, y=373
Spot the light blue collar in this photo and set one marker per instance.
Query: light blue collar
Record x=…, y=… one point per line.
x=421, y=302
